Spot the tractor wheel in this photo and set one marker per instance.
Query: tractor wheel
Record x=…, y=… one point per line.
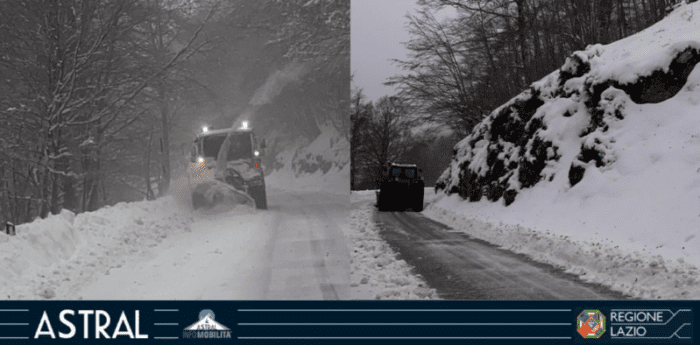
x=390, y=202
x=258, y=194
x=418, y=198
x=418, y=204
x=198, y=200
x=382, y=199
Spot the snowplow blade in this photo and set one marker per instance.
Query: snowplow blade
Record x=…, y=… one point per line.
x=209, y=194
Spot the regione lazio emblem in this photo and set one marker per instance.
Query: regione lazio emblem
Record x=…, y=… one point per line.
x=590, y=324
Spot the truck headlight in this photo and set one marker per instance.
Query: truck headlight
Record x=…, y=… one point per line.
x=200, y=159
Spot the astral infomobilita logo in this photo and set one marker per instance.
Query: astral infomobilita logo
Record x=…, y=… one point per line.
x=206, y=327
x=590, y=323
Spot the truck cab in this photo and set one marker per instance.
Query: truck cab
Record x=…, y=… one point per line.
x=238, y=165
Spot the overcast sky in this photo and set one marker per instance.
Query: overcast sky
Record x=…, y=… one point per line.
x=377, y=30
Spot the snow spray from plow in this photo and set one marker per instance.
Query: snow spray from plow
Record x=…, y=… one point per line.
x=208, y=194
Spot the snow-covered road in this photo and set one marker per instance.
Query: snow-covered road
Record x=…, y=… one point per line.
x=293, y=250
x=306, y=255
x=162, y=250
x=307, y=245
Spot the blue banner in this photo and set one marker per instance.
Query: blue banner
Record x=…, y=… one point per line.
x=349, y=322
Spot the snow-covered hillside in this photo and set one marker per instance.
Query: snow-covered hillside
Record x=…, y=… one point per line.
x=603, y=153
x=322, y=165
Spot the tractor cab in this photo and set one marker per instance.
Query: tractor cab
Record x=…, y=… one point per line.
x=231, y=156
x=400, y=188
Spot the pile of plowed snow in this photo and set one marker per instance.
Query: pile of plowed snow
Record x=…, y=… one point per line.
x=321, y=166
x=376, y=273
x=596, y=167
x=71, y=250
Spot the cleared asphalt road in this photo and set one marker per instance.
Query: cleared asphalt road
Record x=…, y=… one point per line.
x=461, y=267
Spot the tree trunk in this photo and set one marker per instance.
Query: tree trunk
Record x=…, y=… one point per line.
x=536, y=72
x=93, y=202
x=96, y=168
x=104, y=191
x=604, y=8
x=43, y=187
x=70, y=199
x=622, y=22
x=523, y=43
x=647, y=19
x=147, y=174
x=165, y=149
x=57, y=188
x=7, y=209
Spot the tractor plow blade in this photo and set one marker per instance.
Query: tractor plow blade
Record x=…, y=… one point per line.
x=209, y=194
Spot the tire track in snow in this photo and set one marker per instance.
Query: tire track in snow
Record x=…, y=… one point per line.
x=304, y=256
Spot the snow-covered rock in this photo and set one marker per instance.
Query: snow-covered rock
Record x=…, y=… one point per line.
x=582, y=117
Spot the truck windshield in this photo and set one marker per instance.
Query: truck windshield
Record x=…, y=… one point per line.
x=403, y=173
x=241, y=146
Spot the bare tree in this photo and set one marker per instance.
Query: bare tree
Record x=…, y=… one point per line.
x=461, y=67
x=74, y=73
x=360, y=117
x=381, y=134
x=167, y=31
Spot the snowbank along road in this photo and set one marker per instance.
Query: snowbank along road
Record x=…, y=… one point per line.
x=294, y=250
x=305, y=246
x=163, y=249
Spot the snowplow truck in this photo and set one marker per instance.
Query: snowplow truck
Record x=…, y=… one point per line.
x=400, y=188
x=226, y=168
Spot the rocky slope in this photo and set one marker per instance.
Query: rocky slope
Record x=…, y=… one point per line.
x=567, y=127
